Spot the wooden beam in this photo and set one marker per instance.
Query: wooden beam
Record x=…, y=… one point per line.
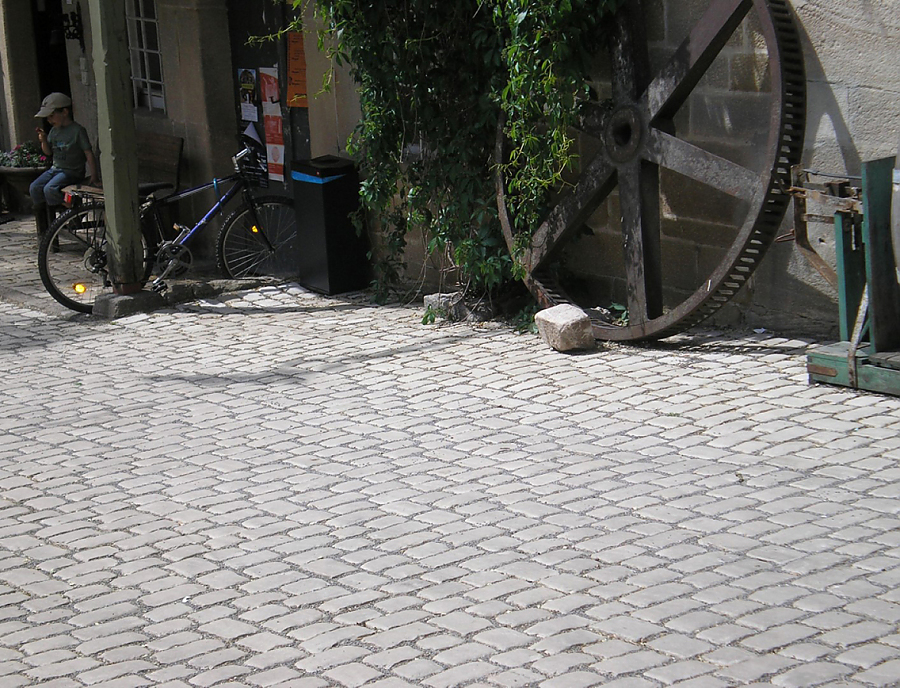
x=118, y=151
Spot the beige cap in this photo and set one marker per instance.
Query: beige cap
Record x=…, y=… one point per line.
x=54, y=101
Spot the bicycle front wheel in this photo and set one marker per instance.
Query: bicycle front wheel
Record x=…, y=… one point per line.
x=259, y=239
x=72, y=258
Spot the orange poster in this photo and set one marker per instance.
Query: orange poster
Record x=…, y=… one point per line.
x=296, y=71
x=272, y=124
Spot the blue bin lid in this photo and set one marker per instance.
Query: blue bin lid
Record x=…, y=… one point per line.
x=324, y=168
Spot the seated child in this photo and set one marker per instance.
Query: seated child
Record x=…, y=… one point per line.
x=68, y=144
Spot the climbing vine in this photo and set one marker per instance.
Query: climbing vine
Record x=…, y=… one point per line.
x=435, y=77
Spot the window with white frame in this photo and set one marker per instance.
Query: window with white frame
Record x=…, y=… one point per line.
x=146, y=59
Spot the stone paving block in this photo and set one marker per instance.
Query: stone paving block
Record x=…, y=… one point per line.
x=756, y=668
x=462, y=652
x=417, y=670
x=806, y=651
x=679, y=672
x=866, y=656
x=881, y=675
x=353, y=674
x=462, y=673
x=811, y=674
x=629, y=628
x=562, y=663
x=389, y=658
x=681, y=646
x=575, y=679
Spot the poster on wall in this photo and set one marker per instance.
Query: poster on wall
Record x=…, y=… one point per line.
x=248, y=95
x=296, y=71
x=270, y=93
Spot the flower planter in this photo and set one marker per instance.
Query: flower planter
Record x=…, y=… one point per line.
x=16, y=181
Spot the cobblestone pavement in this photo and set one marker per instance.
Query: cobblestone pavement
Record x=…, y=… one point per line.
x=274, y=488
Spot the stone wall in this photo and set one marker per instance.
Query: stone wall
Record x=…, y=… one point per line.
x=21, y=94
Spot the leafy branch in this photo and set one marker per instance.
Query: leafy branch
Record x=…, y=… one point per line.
x=436, y=78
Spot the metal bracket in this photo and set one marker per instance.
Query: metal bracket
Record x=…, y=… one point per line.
x=836, y=195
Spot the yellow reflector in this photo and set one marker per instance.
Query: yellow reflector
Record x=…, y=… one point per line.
x=79, y=288
x=254, y=229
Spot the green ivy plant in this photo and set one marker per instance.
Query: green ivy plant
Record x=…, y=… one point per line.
x=435, y=79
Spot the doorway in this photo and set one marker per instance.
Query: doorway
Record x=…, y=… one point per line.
x=50, y=44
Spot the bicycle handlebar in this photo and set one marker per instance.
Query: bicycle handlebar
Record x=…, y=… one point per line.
x=240, y=156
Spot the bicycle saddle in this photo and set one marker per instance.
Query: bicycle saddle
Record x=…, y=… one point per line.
x=147, y=188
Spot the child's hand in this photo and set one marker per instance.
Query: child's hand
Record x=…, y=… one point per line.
x=42, y=135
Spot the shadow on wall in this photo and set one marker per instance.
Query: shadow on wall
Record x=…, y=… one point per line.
x=786, y=294
x=822, y=105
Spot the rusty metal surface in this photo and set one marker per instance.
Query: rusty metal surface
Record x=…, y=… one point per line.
x=638, y=140
x=803, y=192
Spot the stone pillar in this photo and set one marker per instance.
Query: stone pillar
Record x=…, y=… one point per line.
x=18, y=61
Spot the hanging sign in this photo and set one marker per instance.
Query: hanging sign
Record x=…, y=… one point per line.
x=296, y=71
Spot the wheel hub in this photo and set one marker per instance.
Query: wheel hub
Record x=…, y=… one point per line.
x=94, y=260
x=623, y=134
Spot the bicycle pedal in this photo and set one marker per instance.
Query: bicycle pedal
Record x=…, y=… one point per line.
x=160, y=287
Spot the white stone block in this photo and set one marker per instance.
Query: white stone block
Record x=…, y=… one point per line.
x=565, y=328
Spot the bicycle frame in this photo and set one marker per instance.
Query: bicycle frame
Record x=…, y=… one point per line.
x=244, y=246
x=238, y=184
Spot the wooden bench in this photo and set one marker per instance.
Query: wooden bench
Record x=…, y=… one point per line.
x=159, y=158
x=159, y=165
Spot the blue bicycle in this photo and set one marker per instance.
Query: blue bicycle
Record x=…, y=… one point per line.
x=257, y=239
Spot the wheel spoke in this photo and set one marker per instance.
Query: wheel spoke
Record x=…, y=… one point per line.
x=630, y=53
x=700, y=165
x=572, y=211
x=674, y=83
x=247, y=248
x=74, y=237
x=245, y=262
x=639, y=200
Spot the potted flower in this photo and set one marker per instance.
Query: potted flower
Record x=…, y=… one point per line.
x=18, y=168
x=27, y=154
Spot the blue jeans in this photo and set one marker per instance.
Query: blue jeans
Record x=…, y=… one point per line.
x=48, y=187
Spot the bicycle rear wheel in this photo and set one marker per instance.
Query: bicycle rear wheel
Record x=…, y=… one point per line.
x=73, y=260
x=260, y=240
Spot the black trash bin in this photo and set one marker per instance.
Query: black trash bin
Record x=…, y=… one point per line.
x=332, y=256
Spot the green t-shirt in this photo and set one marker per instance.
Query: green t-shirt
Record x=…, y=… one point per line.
x=68, y=145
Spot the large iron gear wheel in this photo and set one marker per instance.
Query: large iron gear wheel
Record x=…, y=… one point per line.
x=638, y=142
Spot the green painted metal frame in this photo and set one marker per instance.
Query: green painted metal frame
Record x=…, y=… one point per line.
x=851, y=267
x=867, y=275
